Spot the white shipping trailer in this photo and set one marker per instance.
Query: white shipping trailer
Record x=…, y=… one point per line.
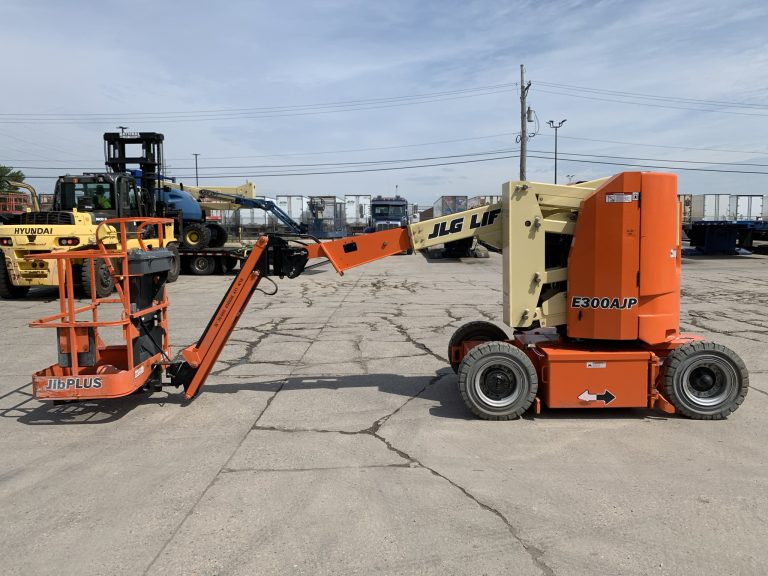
x=711, y=207
x=747, y=206
x=293, y=205
x=358, y=209
x=255, y=217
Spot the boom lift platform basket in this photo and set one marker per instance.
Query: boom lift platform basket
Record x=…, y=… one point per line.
x=591, y=284
x=88, y=368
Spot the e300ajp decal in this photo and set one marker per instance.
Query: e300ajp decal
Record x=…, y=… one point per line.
x=603, y=303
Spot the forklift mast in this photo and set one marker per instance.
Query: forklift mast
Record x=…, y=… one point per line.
x=120, y=156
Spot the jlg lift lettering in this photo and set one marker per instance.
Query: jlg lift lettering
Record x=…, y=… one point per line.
x=67, y=383
x=603, y=303
x=456, y=225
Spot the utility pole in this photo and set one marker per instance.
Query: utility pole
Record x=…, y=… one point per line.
x=556, y=126
x=197, y=183
x=523, y=121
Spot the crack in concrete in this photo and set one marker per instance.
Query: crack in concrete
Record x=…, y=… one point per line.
x=408, y=338
x=536, y=554
x=245, y=357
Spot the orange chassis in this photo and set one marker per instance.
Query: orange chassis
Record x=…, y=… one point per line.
x=619, y=377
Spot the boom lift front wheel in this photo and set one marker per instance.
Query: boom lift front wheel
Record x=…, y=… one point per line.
x=704, y=380
x=497, y=381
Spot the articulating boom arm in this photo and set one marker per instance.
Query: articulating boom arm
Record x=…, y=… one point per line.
x=274, y=256
x=261, y=204
x=535, y=292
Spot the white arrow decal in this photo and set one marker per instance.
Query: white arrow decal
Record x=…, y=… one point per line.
x=606, y=397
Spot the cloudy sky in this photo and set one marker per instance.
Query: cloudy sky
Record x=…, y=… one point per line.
x=338, y=90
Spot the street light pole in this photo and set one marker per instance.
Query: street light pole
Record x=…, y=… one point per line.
x=197, y=183
x=556, y=126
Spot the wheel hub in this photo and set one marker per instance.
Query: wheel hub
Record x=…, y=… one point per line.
x=709, y=381
x=498, y=383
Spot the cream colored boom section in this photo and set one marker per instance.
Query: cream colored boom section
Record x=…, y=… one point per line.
x=483, y=222
x=247, y=190
x=517, y=225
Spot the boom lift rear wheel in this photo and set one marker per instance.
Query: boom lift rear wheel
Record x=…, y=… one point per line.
x=476, y=330
x=219, y=235
x=497, y=381
x=704, y=380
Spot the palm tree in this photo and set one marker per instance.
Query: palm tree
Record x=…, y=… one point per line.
x=7, y=175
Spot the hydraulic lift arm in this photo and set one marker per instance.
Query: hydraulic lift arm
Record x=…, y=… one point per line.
x=235, y=202
x=274, y=256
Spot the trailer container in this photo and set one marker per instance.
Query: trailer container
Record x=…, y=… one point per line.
x=357, y=209
x=686, y=200
x=294, y=205
x=326, y=216
x=710, y=207
x=449, y=205
x=413, y=213
x=747, y=206
x=476, y=201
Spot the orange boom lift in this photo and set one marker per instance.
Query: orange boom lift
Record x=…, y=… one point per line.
x=591, y=277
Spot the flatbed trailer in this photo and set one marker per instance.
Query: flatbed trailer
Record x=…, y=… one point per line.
x=725, y=236
x=206, y=261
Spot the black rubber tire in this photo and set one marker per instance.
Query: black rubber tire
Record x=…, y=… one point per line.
x=230, y=263
x=196, y=236
x=7, y=290
x=219, y=235
x=105, y=284
x=704, y=380
x=202, y=265
x=477, y=330
x=497, y=381
x=173, y=273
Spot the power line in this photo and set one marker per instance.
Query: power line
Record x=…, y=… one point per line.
x=457, y=162
x=422, y=159
x=605, y=99
x=275, y=108
x=654, y=96
x=303, y=110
